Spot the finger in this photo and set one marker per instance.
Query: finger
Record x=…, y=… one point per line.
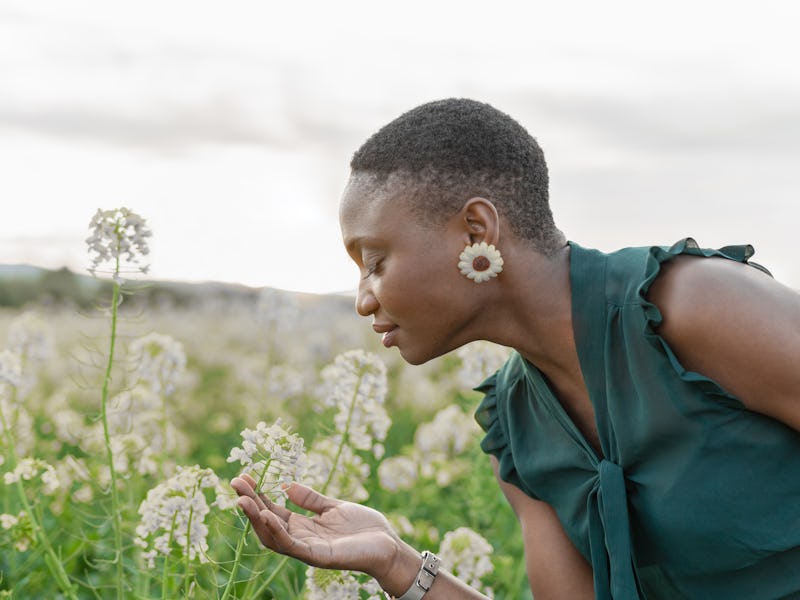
x=245, y=488
x=252, y=483
x=280, y=539
x=253, y=513
x=304, y=497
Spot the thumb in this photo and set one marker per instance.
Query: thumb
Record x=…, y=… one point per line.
x=304, y=497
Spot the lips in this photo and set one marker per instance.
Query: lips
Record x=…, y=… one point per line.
x=388, y=330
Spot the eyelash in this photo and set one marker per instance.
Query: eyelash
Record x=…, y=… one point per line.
x=371, y=270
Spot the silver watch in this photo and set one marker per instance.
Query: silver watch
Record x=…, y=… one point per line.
x=424, y=579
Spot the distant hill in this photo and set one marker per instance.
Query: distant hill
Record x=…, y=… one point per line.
x=25, y=284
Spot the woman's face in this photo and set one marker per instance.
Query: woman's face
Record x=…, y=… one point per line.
x=410, y=283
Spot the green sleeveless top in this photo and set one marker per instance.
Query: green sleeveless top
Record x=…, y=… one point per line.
x=694, y=496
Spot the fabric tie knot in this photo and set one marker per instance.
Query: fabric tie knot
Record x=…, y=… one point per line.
x=610, y=535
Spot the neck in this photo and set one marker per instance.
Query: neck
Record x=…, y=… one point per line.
x=532, y=311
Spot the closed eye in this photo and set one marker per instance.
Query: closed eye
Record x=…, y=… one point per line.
x=371, y=269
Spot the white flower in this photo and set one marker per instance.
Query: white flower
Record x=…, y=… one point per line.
x=276, y=309
x=349, y=476
x=480, y=262
x=398, y=473
x=50, y=480
x=448, y=434
x=26, y=469
x=479, y=360
x=355, y=384
x=331, y=584
x=10, y=368
x=8, y=521
x=173, y=515
x=466, y=554
x=116, y=235
x=29, y=468
x=159, y=361
x=272, y=456
x=439, y=442
x=284, y=381
x=19, y=423
x=19, y=528
x=30, y=337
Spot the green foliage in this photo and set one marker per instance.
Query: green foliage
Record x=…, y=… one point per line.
x=208, y=411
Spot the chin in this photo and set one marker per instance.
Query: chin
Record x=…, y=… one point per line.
x=418, y=356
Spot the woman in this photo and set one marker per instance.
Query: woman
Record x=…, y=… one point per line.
x=645, y=431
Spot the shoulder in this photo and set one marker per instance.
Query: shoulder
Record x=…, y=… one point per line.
x=732, y=323
x=689, y=286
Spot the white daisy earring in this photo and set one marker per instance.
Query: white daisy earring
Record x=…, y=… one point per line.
x=480, y=262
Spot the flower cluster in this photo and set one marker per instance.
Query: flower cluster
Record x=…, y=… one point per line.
x=439, y=443
x=74, y=482
x=465, y=554
x=31, y=340
x=30, y=337
x=30, y=468
x=331, y=584
x=479, y=360
x=437, y=446
x=19, y=528
x=355, y=385
x=448, y=434
x=20, y=425
x=159, y=361
x=398, y=473
x=272, y=456
x=276, y=309
x=116, y=235
x=345, y=480
x=10, y=369
x=173, y=515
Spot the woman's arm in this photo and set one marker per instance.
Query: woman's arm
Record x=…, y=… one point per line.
x=556, y=570
x=342, y=535
x=736, y=325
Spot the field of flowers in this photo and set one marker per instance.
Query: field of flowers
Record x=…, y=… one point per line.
x=122, y=425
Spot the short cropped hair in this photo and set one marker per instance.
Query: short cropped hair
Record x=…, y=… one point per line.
x=449, y=151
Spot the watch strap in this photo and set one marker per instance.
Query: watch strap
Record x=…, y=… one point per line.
x=425, y=577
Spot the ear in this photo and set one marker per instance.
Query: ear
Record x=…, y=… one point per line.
x=480, y=221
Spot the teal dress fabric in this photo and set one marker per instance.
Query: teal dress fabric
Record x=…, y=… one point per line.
x=693, y=496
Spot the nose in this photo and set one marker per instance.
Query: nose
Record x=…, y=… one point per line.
x=366, y=302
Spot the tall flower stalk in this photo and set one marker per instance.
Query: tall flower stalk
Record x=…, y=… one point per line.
x=355, y=386
x=272, y=456
x=173, y=521
x=10, y=375
x=119, y=240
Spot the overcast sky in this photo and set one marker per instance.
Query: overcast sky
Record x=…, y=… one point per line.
x=229, y=126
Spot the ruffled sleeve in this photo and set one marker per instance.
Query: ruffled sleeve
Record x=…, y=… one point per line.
x=490, y=416
x=653, y=317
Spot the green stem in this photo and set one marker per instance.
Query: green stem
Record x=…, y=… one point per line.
x=345, y=435
x=165, y=571
x=237, y=557
x=263, y=587
x=115, y=514
x=345, y=438
x=54, y=564
x=188, y=545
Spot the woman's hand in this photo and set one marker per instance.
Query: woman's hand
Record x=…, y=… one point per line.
x=341, y=535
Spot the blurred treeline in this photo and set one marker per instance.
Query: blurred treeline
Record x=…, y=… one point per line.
x=23, y=285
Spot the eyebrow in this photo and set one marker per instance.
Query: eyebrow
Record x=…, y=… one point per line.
x=359, y=240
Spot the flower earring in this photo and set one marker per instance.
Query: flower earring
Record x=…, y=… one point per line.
x=480, y=262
